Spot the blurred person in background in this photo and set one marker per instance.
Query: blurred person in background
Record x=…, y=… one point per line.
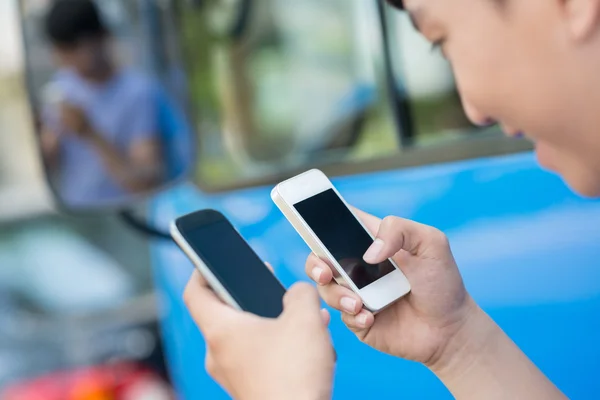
x=529, y=66
x=100, y=122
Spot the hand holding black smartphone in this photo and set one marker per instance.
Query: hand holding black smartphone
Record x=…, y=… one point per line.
x=229, y=265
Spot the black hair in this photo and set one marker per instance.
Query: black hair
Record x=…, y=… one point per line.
x=70, y=21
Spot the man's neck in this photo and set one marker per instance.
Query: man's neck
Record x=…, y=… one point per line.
x=103, y=75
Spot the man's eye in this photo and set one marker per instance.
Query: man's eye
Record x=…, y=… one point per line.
x=437, y=45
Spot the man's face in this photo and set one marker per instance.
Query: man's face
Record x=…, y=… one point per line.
x=518, y=63
x=87, y=57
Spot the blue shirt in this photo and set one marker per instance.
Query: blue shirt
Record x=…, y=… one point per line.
x=123, y=110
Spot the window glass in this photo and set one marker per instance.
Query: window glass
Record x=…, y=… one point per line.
x=426, y=77
x=280, y=84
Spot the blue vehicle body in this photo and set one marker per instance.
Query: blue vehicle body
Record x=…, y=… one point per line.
x=527, y=247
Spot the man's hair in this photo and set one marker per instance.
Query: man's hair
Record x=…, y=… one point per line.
x=70, y=21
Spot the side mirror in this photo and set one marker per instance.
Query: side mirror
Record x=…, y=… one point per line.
x=109, y=103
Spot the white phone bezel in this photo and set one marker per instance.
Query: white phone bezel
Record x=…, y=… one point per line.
x=211, y=279
x=375, y=296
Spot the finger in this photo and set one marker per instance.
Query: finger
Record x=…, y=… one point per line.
x=371, y=222
x=359, y=323
x=303, y=300
x=397, y=234
x=318, y=270
x=326, y=317
x=204, y=306
x=341, y=298
x=270, y=267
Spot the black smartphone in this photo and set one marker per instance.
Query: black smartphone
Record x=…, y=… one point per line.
x=228, y=263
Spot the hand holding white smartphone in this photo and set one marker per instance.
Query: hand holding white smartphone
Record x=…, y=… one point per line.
x=323, y=219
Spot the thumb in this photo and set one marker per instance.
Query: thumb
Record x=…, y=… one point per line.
x=397, y=234
x=302, y=301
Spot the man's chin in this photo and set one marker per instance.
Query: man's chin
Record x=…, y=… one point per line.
x=588, y=188
x=579, y=177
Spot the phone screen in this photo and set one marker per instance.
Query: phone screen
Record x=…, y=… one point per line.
x=237, y=267
x=345, y=238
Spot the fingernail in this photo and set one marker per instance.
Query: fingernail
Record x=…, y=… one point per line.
x=316, y=273
x=371, y=256
x=361, y=320
x=348, y=304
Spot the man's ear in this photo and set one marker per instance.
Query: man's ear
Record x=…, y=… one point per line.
x=582, y=17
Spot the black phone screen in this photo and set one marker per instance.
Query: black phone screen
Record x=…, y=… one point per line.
x=344, y=237
x=237, y=267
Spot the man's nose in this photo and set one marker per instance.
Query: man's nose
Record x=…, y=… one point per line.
x=475, y=116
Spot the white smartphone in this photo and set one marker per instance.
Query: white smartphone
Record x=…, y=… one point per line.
x=229, y=265
x=323, y=219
